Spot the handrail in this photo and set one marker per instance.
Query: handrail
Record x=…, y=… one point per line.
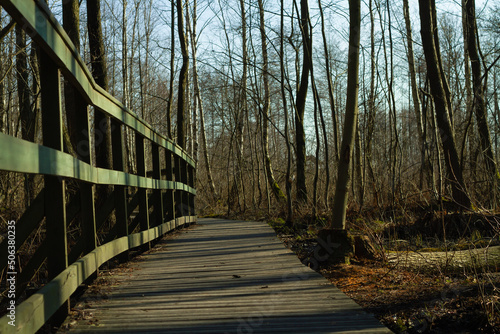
x=22, y=156
x=171, y=197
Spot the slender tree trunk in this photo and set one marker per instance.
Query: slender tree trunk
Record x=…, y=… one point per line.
x=360, y=182
x=71, y=24
x=467, y=149
x=351, y=118
x=441, y=102
x=172, y=64
x=196, y=89
x=372, y=112
x=479, y=98
x=331, y=97
x=125, y=91
x=275, y=188
x=181, y=96
x=27, y=115
x=300, y=137
x=289, y=215
x=415, y=95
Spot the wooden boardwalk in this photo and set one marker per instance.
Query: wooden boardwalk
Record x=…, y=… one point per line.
x=224, y=277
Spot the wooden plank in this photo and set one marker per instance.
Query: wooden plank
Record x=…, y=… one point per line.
x=120, y=191
x=158, y=213
x=22, y=156
x=169, y=196
x=223, y=277
x=140, y=160
x=55, y=208
x=178, y=192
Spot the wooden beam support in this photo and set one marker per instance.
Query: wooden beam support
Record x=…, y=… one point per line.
x=158, y=212
x=55, y=208
x=121, y=214
x=169, y=198
x=140, y=161
x=178, y=193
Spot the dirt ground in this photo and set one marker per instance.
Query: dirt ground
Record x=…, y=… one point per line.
x=418, y=300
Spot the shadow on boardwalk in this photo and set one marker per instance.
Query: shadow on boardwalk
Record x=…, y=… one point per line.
x=222, y=277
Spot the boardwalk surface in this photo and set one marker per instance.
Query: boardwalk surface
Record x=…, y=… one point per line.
x=224, y=277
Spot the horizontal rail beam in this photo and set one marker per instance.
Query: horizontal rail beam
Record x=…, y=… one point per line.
x=22, y=156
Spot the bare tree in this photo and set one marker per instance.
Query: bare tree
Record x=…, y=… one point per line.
x=351, y=119
x=300, y=137
x=440, y=94
x=275, y=188
x=479, y=98
x=183, y=76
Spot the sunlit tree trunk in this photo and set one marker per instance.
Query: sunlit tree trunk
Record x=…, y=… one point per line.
x=181, y=96
x=300, y=137
x=331, y=96
x=351, y=119
x=430, y=43
x=275, y=188
x=289, y=215
x=27, y=115
x=414, y=91
x=172, y=64
x=71, y=24
x=479, y=98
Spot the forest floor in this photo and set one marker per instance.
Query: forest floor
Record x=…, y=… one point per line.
x=406, y=296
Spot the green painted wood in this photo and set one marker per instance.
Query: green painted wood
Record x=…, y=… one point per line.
x=186, y=208
x=21, y=156
x=191, y=183
x=158, y=212
x=120, y=191
x=41, y=25
x=142, y=193
x=178, y=192
x=169, y=196
x=55, y=208
x=37, y=309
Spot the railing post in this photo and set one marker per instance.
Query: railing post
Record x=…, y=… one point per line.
x=117, y=141
x=55, y=202
x=142, y=192
x=185, y=193
x=158, y=193
x=191, y=184
x=169, y=205
x=178, y=193
x=87, y=190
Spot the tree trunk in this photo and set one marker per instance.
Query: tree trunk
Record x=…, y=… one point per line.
x=183, y=76
x=288, y=187
x=275, y=188
x=172, y=64
x=415, y=95
x=441, y=102
x=71, y=24
x=479, y=98
x=351, y=118
x=331, y=97
x=27, y=115
x=300, y=137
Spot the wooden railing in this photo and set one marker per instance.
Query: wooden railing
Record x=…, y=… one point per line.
x=149, y=203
